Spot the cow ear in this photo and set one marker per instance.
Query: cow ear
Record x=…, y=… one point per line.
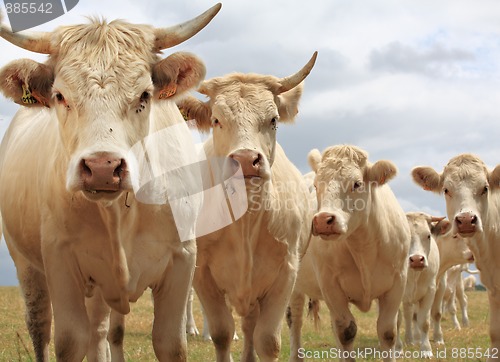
x=288, y=103
x=441, y=227
x=27, y=82
x=194, y=109
x=176, y=74
x=494, y=178
x=314, y=159
x=381, y=172
x=427, y=178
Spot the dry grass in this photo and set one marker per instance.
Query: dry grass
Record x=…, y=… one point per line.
x=16, y=346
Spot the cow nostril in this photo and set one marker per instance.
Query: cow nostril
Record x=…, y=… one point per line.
x=330, y=220
x=421, y=258
x=119, y=169
x=257, y=160
x=85, y=168
x=457, y=220
x=474, y=219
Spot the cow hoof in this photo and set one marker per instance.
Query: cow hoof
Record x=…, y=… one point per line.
x=426, y=354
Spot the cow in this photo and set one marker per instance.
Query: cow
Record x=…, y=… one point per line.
x=452, y=250
x=359, y=250
x=87, y=227
x=423, y=266
x=470, y=190
x=469, y=283
x=252, y=261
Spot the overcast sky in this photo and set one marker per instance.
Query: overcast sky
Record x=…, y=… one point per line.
x=416, y=82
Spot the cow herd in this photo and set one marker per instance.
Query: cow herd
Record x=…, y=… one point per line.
x=104, y=194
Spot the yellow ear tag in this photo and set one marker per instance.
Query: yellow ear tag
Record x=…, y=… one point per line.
x=168, y=91
x=27, y=96
x=184, y=114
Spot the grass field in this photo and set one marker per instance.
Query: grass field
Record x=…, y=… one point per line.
x=15, y=344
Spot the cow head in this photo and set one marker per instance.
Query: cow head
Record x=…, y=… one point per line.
x=466, y=183
x=104, y=82
x=244, y=111
x=424, y=229
x=453, y=250
x=344, y=182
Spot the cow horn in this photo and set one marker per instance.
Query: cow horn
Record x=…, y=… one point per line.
x=292, y=81
x=38, y=42
x=173, y=35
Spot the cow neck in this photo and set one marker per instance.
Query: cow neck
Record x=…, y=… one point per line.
x=111, y=216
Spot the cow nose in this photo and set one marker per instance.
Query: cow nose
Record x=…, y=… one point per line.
x=417, y=261
x=249, y=160
x=102, y=173
x=466, y=222
x=323, y=223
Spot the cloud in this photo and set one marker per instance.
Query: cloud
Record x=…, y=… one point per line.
x=436, y=61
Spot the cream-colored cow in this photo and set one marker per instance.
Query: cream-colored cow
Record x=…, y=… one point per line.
x=254, y=260
x=359, y=252
x=453, y=250
x=81, y=240
x=473, y=206
x=423, y=263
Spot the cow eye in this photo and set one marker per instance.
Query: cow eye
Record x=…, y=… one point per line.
x=429, y=237
x=145, y=96
x=216, y=122
x=274, y=121
x=446, y=192
x=357, y=185
x=59, y=97
x=485, y=190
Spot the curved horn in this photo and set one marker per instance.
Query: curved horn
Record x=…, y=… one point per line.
x=38, y=42
x=173, y=35
x=292, y=81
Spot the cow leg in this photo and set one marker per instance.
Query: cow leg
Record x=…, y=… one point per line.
x=71, y=323
x=342, y=321
x=423, y=322
x=462, y=300
x=190, y=323
x=267, y=335
x=494, y=300
x=437, y=311
x=219, y=318
x=399, y=343
x=98, y=312
x=38, y=309
x=116, y=335
x=170, y=299
x=408, y=317
x=452, y=309
x=294, y=318
x=36, y=296
x=387, y=318
x=248, y=328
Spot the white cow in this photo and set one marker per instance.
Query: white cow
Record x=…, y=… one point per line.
x=469, y=283
x=423, y=263
x=70, y=183
x=359, y=252
x=473, y=205
x=254, y=260
x=453, y=250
